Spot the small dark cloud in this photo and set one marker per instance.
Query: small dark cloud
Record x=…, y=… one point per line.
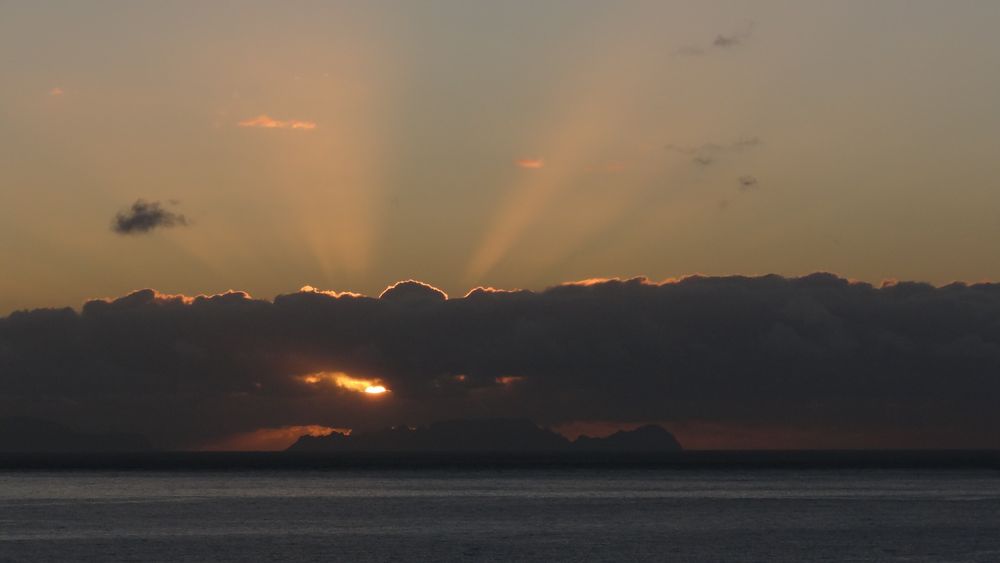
x=722, y=41
x=709, y=153
x=748, y=183
x=144, y=216
x=734, y=39
x=726, y=41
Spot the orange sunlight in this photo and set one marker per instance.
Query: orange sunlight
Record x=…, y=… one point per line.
x=266, y=122
x=509, y=379
x=530, y=163
x=344, y=381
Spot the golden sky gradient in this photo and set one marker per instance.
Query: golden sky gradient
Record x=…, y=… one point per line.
x=507, y=144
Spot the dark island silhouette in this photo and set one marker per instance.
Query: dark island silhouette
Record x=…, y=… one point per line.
x=33, y=435
x=486, y=436
x=34, y=444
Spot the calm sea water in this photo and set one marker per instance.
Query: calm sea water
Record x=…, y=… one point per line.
x=510, y=515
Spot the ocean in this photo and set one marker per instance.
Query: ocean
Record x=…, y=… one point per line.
x=513, y=514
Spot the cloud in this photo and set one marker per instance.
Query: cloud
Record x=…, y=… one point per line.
x=748, y=183
x=722, y=41
x=530, y=163
x=907, y=362
x=412, y=291
x=726, y=41
x=710, y=153
x=145, y=216
x=265, y=122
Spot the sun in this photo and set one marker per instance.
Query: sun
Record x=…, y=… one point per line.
x=342, y=380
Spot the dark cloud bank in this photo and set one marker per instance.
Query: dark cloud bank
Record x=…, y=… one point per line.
x=144, y=216
x=905, y=364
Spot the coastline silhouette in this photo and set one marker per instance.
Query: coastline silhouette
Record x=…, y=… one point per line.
x=500, y=435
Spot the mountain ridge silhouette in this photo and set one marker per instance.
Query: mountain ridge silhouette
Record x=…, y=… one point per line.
x=496, y=435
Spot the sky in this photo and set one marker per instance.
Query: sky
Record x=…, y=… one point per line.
x=505, y=144
x=155, y=152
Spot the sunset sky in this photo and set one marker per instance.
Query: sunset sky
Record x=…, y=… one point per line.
x=152, y=152
x=511, y=144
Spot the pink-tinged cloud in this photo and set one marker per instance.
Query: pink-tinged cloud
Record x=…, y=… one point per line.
x=56, y=91
x=266, y=122
x=530, y=163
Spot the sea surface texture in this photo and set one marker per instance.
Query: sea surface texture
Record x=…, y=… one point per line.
x=502, y=515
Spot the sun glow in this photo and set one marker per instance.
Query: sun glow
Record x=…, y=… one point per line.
x=578, y=140
x=344, y=381
x=530, y=163
x=266, y=122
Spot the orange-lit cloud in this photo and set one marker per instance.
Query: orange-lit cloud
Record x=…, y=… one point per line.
x=266, y=122
x=641, y=280
x=412, y=289
x=344, y=381
x=599, y=281
x=270, y=439
x=57, y=91
x=481, y=290
x=337, y=294
x=509, y=379
x=593, y=281
x=148, y=296
x=530, y=163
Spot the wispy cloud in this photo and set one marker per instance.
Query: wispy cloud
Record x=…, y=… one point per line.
x=709, y=153
x=530, y=163
x=264, y=121
x=144, y=216
x=722, y=41
x=748, y=183
x=726, y=41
